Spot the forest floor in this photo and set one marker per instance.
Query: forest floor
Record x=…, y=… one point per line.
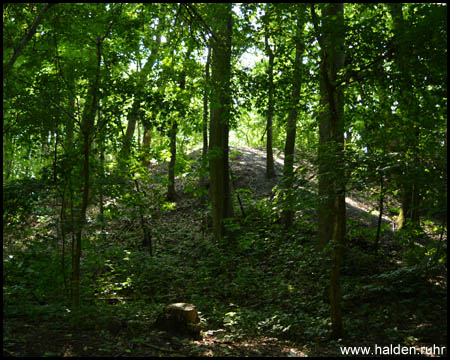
x=262, y=298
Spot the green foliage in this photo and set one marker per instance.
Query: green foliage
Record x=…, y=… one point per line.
x=33, y=276
x=268, y=280
x=21, y=199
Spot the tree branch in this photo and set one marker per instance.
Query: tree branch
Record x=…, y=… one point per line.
x=195, y=14
x=27, y=38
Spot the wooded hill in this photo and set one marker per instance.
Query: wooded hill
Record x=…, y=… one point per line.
x=279, y=168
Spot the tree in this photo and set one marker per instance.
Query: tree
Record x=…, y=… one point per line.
x=410, y=194
x=205, y=122
x=270, y=168
x=331, y=210
x=291, y=124
x=220, y=117
x=141, y=78
x=86, y=131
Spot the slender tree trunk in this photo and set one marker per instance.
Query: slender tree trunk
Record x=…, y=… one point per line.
x=131, y=126
x=270, y=168
x=171, y=194
x=139, y=138
x=87, y=125
x=56, y=133
x=205, y=106
x=8, y=151
x=134, y=111
x=380, y=216
x=205, y=127
x=66, y=214
x=291, y=126
x=70, y=125
x=331, y=126
x=220, y=116
x=101, y=154
x=331, y=209
x=146, y=143
x=410, y=195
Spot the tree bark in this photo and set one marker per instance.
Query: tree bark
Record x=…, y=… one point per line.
x=171, y=194
x=220, y=116
x=146, y=143
x=87, y=125
x=205, y=128
x=331, y=208
x=134, y=111
x=291, y=126
x=380, y=216
x=410, y=196
x=270, y=168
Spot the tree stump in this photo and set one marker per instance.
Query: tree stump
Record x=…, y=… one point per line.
x=181, y=319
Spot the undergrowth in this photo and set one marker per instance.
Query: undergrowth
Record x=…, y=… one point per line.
x=272, y=282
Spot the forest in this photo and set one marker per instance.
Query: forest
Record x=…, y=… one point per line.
x=224, y=179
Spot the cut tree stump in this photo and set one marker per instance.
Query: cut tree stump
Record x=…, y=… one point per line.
x=181, y=319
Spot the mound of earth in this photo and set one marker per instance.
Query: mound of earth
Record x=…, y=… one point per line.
x=248, y=171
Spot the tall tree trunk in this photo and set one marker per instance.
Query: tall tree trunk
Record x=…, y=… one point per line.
x=410, y=197
x=171, y=194
x=220, y=117
x=331, y=209
x=146, y=143
x=8, y=151
x=291, y=125
x=101, y=153
x=380, y=216
x=87, y=124
x=66, y=220
x=331, y=126
x=131, y=126
x=270, y=168
x=205, y=128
